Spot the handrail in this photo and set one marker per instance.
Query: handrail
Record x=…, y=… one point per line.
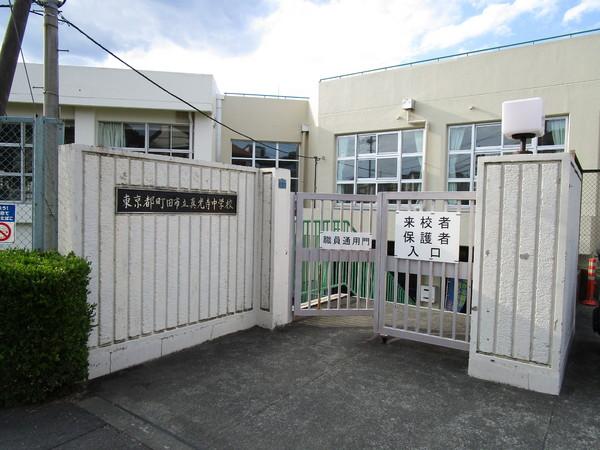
x=243, y=94
x=457, y=55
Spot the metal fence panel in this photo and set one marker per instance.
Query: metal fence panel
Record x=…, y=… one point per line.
x=421, y=300
x=333, y=282
x=24, y=160
x=589, y=233
x=16, y=175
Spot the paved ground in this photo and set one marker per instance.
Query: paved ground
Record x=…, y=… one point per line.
x=311, y=386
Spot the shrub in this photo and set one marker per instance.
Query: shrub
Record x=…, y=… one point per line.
x=44, y=324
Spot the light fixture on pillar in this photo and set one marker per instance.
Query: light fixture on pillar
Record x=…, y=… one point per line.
x=523, y=119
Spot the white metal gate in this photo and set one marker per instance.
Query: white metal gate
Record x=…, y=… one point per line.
x=425, y=301
x=333, y=282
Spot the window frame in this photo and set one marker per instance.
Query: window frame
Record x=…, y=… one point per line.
x=177, y=153
x=376, y=156
x=503, y=149
x=277, y=159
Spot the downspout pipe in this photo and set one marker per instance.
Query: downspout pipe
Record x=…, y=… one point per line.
x=218, y=129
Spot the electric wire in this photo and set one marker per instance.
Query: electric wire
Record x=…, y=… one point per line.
x=64, y=20
x=12, y=17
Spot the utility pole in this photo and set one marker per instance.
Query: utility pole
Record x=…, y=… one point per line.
x=11, y=46
x=46, y=163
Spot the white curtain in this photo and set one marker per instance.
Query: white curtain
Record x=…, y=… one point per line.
x=110, y=134
x=419, y=141
x=456, y=137
x=557, y=129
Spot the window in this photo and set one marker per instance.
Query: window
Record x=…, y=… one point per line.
x=267, y=155
x=379, y=162
x=466, y=143
x=154, y=138
x=69, y=131
x=16, y=161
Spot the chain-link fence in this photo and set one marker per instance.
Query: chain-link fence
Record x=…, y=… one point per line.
x=16, y=176
x=589, y=232
x=23, y=161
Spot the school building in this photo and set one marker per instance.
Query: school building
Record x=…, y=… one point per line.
x=416, y=127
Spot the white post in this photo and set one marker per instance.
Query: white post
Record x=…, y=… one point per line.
x=525, y=269
x=280, y=311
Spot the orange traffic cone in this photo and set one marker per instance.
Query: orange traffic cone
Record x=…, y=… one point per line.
x=590, y=299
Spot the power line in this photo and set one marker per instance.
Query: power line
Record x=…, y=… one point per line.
x=12, y=17
x=150, y=80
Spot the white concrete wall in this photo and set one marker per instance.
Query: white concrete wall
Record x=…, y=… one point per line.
x=119, y=88
x=165, y=282
x=525, y=269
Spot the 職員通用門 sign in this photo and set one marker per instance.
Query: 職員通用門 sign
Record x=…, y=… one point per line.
x=427, y=236
x=345, y=240
x=8, y=214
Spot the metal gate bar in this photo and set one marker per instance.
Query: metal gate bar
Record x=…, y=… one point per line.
x=333, y=282
x=446, y=323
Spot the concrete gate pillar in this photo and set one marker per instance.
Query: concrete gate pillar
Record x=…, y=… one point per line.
x=525, y=269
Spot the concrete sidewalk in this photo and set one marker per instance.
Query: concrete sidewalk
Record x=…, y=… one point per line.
x=309, y=386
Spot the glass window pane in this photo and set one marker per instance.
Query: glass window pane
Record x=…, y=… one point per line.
x=242, y=162
x=345, y=189
x=387, y=187
x=410, y=187
x=459, y=138
x=387, y=143
x=292, y=166
x=265, y=150
x=294, y=185
x=181, y=137
x=412, y=141
x=69, y=132
x=345, y=170
x=366, y=144
x=487, y=135
x=554, y=133
x=411, y=168
x=458, y=187
x=511, y=141
x=241, y=149
x=459, y=166
x=135, y=135
x=264, y=163
x=368, y=189
x=345, y=146
x=366, y=168
x=288, y=150
x=10, y=159
x=387, y=168
x=159, y=136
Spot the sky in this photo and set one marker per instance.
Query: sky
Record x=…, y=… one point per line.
x=285, y=46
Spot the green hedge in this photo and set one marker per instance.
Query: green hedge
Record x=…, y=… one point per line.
x=44, y=324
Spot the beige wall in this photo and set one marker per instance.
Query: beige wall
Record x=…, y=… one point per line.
x=266, y=119
x=565, y=73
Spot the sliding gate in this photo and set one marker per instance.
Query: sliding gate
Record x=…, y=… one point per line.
x=424, y=297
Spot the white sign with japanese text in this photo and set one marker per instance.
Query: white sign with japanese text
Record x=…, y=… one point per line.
x=427, y=236
x=345, y=240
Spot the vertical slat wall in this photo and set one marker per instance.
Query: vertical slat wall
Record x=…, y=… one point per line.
x=155, y=272
x=265, y=218
x=518, y=261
